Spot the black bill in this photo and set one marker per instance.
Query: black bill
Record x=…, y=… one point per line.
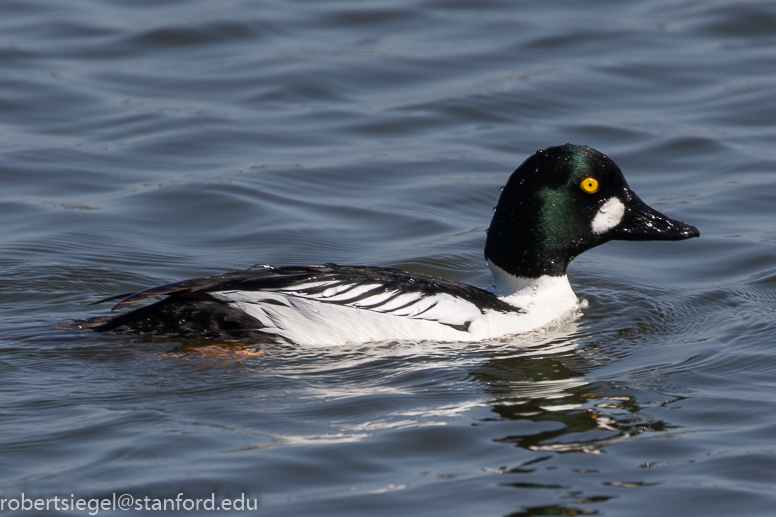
x=641, y=222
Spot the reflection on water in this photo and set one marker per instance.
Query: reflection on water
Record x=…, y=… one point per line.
x=548, y=388
x=552, y=388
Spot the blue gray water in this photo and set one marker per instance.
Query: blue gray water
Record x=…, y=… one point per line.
x=147, y=142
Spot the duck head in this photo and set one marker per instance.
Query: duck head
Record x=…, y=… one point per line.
x=563, y=201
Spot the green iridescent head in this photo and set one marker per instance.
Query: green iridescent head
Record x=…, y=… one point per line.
x=563, y=201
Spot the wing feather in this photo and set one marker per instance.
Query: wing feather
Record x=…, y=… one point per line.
x=278, y=297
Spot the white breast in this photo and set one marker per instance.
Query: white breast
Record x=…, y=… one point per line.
x=546, y=299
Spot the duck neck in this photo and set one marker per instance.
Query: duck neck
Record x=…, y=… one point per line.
x=517, y=288
x=507, y=284
x=527, y=248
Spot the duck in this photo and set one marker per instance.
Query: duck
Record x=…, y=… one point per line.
x=560, y=202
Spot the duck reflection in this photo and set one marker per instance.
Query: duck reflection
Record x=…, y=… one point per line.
x=557, y=408
x=547, y=385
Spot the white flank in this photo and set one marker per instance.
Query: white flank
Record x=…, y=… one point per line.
x=608, y=216
x=315, y=323
x=313, y=320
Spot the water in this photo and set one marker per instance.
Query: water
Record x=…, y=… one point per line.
x=147, y=142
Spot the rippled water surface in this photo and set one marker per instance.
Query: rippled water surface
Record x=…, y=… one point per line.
x=147, y=142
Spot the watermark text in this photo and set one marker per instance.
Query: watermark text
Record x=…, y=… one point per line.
x=94, y=505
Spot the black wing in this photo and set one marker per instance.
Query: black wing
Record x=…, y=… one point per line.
x=311, y=281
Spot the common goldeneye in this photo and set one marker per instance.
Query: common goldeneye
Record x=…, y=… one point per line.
x=559, y=203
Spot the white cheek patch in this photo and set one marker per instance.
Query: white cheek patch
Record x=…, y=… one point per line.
x=608, y=216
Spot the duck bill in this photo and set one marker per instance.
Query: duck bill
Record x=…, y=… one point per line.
x=641, y=222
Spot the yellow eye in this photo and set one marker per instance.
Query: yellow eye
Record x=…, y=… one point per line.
x=589, y=185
